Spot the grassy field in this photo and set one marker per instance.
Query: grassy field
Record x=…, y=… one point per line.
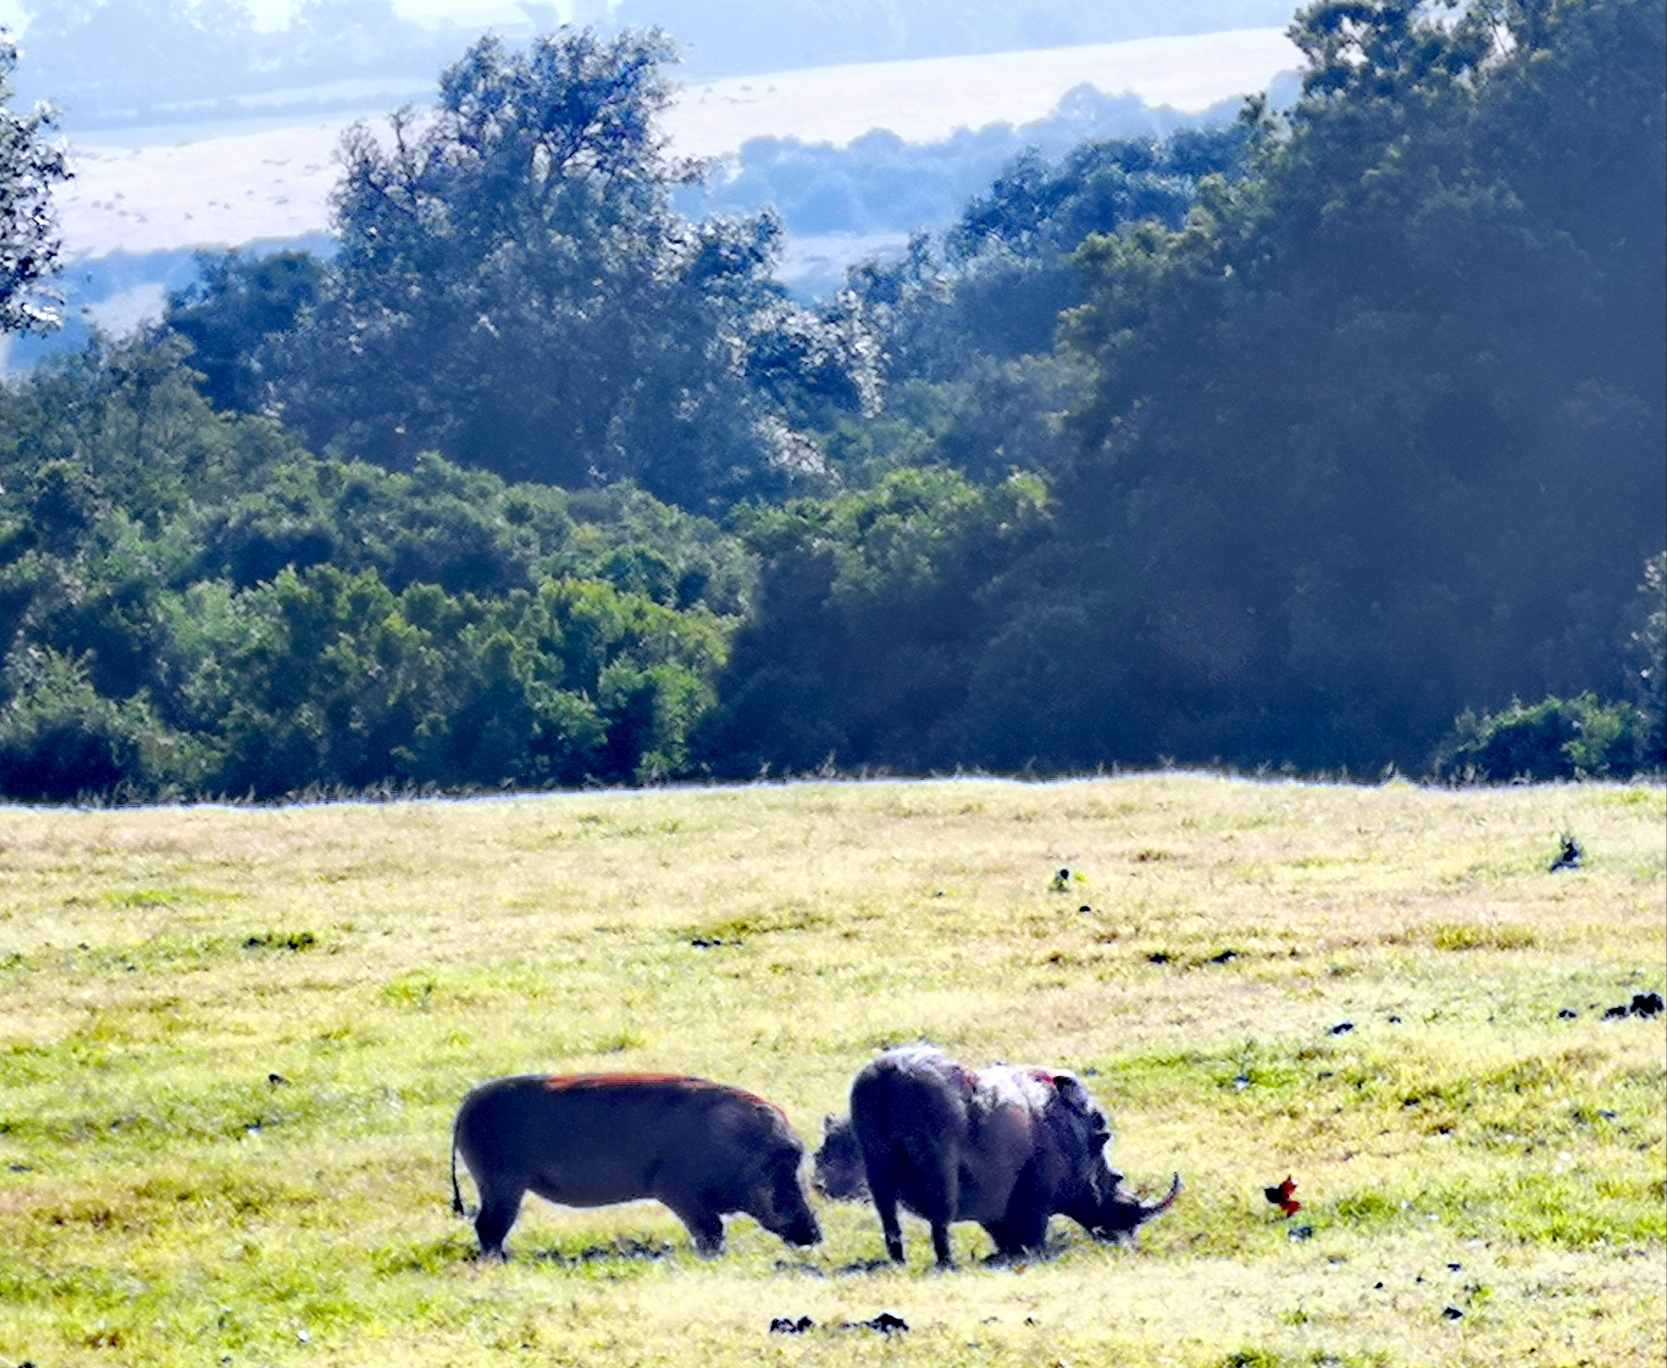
x=1464, y=1147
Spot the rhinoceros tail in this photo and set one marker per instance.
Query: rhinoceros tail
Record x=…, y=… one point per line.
x=456, y=1193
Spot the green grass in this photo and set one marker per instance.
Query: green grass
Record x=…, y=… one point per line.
x=164, y=1200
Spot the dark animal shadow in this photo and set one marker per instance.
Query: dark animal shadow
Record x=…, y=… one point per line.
x=623, y=1250
x=1054, y=1247
x=1007, y=1263
x=863, y=1266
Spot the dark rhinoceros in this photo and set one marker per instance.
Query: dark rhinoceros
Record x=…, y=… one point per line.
x=1007, y=1147
x=590, y=1140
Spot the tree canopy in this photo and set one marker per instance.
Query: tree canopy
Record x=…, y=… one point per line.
x=1365, y=431
x=30, y=166
x=514, y=289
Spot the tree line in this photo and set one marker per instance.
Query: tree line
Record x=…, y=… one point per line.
x=879, y=183
x=1326, y=441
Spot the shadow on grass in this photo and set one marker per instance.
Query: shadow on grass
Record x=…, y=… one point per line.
x=624, y=1250
x=863, y=1267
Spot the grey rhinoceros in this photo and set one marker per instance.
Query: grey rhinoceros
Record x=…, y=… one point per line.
x=1007, y=1146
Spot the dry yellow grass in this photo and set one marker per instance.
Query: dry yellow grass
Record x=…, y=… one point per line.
x=162, y=1202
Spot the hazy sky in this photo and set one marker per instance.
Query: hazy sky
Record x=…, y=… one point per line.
x=275, y=13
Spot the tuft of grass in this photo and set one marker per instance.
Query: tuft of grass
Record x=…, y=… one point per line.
x=281, y=940
x=1454, y=936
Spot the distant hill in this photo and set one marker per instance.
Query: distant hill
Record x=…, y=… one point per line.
x=725, y=37
x=113, y=63
x=159, y=188
x=839, y=204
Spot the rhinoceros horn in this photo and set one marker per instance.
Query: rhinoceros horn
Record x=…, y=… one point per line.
x=1163, y=1204
x=1124, y=1213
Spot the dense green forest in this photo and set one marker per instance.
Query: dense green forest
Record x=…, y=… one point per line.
x=1330, y=440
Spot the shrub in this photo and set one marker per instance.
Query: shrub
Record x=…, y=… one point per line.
x=1556, y=738
x=60, y=739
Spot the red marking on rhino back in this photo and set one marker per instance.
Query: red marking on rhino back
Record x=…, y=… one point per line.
x=672, y=1082
x=1043, y=1076
x=561, y=1082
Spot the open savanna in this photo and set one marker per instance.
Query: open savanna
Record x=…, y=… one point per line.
x=232, y=1041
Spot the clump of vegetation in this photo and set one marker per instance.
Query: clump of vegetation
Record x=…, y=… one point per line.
x=1581, y=737
x=195, y=604
x=1557, y=738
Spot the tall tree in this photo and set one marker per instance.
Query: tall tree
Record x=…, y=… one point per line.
x=1379, y=434
x=30, y=165
x=513, y=288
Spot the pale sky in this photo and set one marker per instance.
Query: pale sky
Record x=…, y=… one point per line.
x=275, y=13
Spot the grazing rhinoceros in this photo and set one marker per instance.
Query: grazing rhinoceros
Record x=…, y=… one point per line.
x=590, y=1140
x=1007, y=1147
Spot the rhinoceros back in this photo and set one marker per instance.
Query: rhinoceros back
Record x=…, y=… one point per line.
x=596, y=1139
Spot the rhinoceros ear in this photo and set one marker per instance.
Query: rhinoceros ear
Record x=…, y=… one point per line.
x=828, y=1124
x=1072, y=1093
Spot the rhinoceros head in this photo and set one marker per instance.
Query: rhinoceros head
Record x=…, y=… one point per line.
x=1121, y=1212
x=838, y=1170
x=1079, y=1133
x=778, y=1201
x=1101, y=1204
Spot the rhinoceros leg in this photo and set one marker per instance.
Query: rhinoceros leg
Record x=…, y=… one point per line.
x=704, y=1225
x=940, y=1244
x=882, y=1186
x=499, y=1207
x=936, y=1193
x=1023, y=1227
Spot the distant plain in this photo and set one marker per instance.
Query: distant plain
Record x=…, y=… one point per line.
x=232, y=1040
x=225, y=184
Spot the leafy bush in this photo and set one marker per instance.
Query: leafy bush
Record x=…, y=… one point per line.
x=869, y=614
x=1557, y=738
x=60, y=739
x=193, y=604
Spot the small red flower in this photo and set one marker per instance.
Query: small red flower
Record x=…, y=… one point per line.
x=1280, y=1196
